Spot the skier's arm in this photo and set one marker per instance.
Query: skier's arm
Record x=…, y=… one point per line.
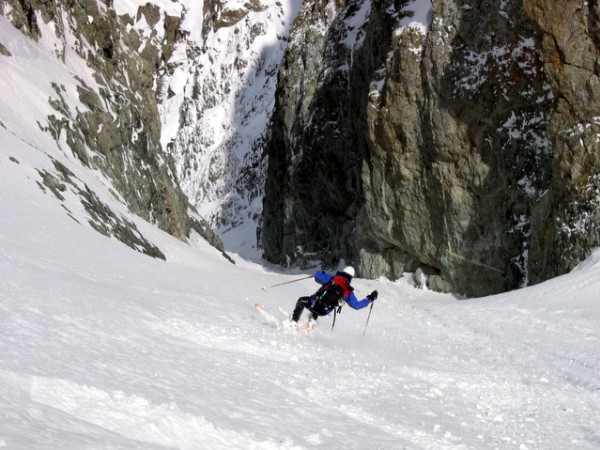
x=354, y=302
x=323, y=277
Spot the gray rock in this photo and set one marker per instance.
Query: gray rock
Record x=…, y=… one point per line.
x=119, y=130
x=469, y=151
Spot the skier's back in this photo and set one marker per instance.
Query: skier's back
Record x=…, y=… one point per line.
x=334, y=291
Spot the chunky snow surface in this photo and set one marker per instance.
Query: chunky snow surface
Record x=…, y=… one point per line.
x=103, y=347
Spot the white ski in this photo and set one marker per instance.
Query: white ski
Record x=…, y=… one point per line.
x=269, y=318
x=286, y=314
x=286, y=323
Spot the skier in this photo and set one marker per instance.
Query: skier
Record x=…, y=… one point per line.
x=335, y=290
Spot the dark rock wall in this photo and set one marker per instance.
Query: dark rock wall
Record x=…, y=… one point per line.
x=567, y=224
x=317, y=142
x=459, y=149
x=468, y=151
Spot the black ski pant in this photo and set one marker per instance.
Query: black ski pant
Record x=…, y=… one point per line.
x=304, y=302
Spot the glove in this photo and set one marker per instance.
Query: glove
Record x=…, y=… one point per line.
x=372, y=296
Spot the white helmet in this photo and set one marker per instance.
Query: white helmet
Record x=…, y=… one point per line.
x=349, y=270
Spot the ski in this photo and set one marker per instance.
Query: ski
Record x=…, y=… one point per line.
x=286, y=323
x=269, y=318
x=285, y=314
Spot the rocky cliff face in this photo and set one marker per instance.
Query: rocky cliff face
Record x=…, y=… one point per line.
x=216, y=101
x=317, y=143
x=112, y=124
x=567, y=222
x=454, y=137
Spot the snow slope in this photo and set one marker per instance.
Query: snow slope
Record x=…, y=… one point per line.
x=103, y=347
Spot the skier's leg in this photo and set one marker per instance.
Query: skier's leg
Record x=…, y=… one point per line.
x=302, y=303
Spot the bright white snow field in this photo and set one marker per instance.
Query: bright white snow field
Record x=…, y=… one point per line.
x=102, y=347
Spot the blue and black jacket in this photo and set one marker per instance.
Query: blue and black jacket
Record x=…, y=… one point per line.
x=342, y=280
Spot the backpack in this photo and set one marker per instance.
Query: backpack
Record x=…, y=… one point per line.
x=328, y=298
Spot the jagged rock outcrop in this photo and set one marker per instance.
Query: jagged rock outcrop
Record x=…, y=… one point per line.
x=102, y=218
x=461, y=141
x=568, y=222
x=317, y=141
x=116, y=126
x=216, y=100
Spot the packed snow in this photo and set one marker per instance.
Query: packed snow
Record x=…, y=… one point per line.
x=103, y=347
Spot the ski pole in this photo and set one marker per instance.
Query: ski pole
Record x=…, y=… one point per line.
x=287, y=282
x=337, y=310
x=368, y=317
x=334, y=316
